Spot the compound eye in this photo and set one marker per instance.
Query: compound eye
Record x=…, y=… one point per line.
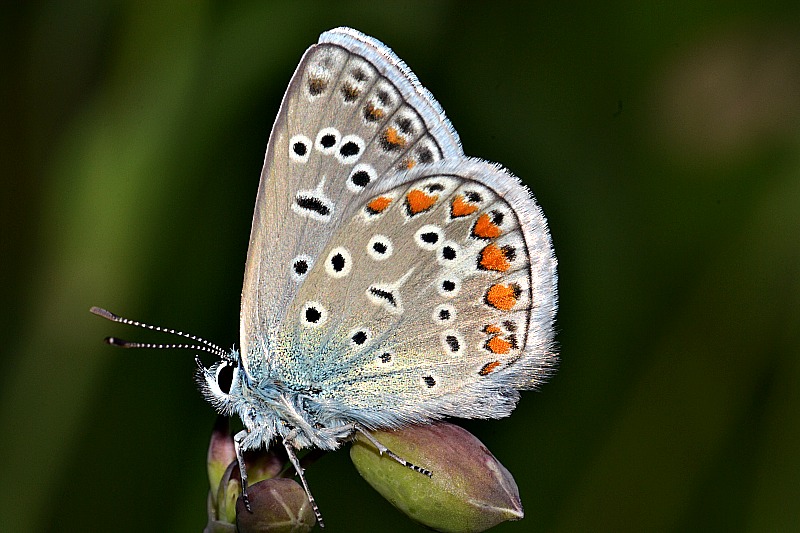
x=224, y=377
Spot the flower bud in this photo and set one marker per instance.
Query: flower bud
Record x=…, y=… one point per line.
x=228, y=491
x=221, y=453
x=469, y=490
x=279, y=505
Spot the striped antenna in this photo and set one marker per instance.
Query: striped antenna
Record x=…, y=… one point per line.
x=203, y=345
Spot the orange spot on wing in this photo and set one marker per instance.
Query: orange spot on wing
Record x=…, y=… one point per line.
x=485, y=228
x=494, y=258
x=409, y=163
x=488, y=368
x=373, y=113
x=419, y=201
x=502, y=297
x=461, y=208
x=491, y=328
x=498, y=345
x=392, y=137
x=379, y=204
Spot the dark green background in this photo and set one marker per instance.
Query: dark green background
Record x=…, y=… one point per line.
x=663, y=142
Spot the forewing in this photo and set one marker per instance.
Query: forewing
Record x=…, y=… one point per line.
x=352, y=115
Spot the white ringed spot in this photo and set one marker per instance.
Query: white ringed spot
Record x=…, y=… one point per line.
x=360, y=337
x=300, y=266
x=361, y=176
x=380, y=247
x=299, y=148
x=350, y=149
x=385, y=359
x=429, y=237
x=448, y=287
x=327, y=140
x=444, y=314
x=339, y=262
x=452, y=342
x=313, y=314
x=449, y=253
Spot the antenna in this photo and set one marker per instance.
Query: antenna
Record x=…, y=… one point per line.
x=203, y=346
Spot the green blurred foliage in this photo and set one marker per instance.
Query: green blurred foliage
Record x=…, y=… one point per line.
x=662, y=141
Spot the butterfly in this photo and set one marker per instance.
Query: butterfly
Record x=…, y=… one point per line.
x=390, y=279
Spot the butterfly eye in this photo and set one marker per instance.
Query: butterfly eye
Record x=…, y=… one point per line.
x=224, y=377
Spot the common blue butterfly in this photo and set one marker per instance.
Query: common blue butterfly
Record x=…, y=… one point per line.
x=390, y=280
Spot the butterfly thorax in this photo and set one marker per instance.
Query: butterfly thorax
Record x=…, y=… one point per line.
x=272, y=408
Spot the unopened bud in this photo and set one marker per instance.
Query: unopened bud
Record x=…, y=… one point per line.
x=469, y=491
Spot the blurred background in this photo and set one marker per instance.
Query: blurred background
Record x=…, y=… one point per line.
x=662, y=141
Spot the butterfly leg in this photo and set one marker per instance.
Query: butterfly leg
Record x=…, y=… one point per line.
x=237, y=445
x=296, y=464
x=384, y=450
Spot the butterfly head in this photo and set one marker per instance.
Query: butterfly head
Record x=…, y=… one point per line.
x=229, y=388
x=222, y=383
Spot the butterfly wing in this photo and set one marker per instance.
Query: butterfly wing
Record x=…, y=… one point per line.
x=435, y=298
x=353, y=112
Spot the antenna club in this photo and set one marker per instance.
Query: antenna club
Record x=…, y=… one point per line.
x=108, y=315
x=116, y=341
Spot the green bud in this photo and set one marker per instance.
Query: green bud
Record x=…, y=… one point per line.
x=279, y=505
x=220, y=454
x=469, y=491
x=228, y=491
x=217, y=526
